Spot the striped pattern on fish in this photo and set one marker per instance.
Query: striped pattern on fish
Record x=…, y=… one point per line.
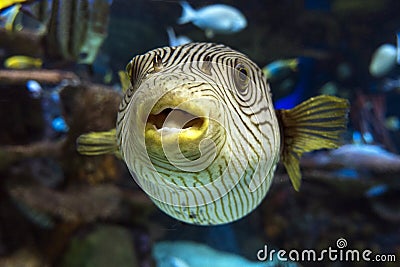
x=198, y=132
x=259, y=135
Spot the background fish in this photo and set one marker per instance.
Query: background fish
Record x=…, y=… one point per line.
x=22, y=62
x=280, y=68
x=177, y=40
x=383, y=60
x=74, y=29
x=199, y=133
x=8, y=3
x=192, y=254
x=214, y=18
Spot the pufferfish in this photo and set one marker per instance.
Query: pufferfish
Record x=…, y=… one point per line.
x=198, y=132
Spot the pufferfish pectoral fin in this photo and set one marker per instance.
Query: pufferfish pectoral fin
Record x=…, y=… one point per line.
x=98, y=143
x=316, y=123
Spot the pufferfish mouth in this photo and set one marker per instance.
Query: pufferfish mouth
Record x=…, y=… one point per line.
x=175, y=120
x=177, y=117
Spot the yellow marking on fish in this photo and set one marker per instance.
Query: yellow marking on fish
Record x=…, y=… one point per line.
x=8, y=3
x=22, y=62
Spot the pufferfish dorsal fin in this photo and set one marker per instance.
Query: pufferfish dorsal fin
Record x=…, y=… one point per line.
x=314, y=124
x=98, y=143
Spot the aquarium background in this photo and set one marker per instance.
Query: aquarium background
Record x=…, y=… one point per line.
x=59, y=208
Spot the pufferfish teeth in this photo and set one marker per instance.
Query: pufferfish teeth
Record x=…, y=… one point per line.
x=168, y=130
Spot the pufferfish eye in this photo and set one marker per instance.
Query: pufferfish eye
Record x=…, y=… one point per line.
x=241, y=76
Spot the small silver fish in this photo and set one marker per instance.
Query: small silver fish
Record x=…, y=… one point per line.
x=383, y=60
x=214, y=18
x=199, y=133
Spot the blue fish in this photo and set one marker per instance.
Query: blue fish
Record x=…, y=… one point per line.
x=177, y=40
x=186, y=253
x=305, y=71
x=213, y=19
x=280, y=68
x=377, y=190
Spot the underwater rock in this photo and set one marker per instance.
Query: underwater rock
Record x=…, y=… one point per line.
x=25, y=42
x=12, y=154
x=106, y=245
x=44, y=170
x=84, y=204
x=87, y=108
x=23, y=257
x=38, y=218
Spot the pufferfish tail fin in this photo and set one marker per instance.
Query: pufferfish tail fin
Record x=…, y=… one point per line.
x=314, y=124
x=98, y=143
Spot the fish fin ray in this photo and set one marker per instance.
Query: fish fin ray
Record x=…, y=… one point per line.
x=315, y=124
x=98, y=143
